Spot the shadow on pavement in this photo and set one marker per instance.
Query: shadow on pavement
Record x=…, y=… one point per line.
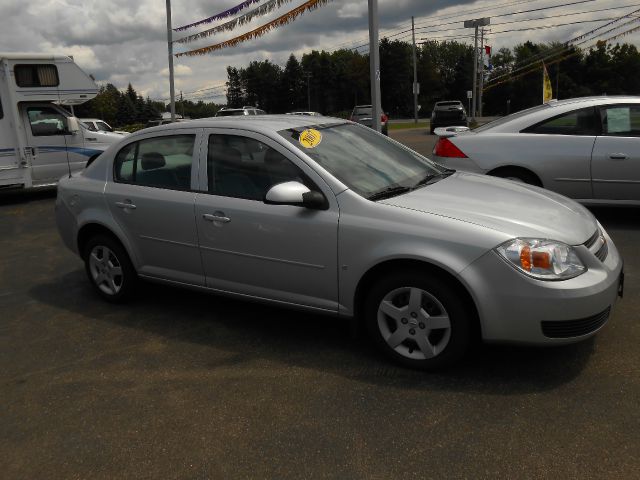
x=252, y=331
x=14, y=197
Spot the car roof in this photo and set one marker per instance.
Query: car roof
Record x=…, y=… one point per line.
x=515, y=122
x=268, y=123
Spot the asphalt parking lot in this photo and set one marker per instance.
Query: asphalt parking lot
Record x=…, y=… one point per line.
x=179, y=384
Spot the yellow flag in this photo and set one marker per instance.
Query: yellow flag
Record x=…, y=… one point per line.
x=547, y=93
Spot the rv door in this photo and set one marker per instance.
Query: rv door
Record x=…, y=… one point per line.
x=55, y=150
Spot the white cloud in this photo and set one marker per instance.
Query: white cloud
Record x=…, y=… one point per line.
x=124, y=41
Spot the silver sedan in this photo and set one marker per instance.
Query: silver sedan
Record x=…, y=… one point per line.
x=585, y=148
x=328, y=216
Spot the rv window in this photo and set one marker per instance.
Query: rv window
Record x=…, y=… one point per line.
x=46, y=121
x=36, y=75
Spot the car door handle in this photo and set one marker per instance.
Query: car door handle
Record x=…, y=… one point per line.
x=216, y=218
x=128, y=205
x=617, y=156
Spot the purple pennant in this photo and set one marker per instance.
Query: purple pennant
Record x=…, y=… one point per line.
x=227, y=13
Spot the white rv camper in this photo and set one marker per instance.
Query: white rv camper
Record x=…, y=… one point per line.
x=40, y=140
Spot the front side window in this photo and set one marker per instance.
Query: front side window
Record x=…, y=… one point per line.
x=89, y=126
x=161, y=162
x=578, y=122
x=621, y=120
x=242, y=167
x=46, y=121
x=365, y=161
x=36, y=75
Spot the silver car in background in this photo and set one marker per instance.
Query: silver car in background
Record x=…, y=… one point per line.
x=329, y=216
x=585, y=148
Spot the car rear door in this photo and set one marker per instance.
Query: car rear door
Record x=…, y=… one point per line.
x=615, y=164
x=151, y=194
x=279, y=252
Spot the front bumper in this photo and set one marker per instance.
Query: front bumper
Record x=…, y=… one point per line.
x=516, y=308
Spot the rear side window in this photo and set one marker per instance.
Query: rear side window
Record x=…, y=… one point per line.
x=578, y=122
x=161, y=162
x=621, y=120
x=36, y=75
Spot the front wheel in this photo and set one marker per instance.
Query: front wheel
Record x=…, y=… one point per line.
x=109, y=269
x=419, y=320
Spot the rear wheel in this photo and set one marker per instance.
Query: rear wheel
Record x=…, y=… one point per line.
x=518, y=175
x=418, y=319
x=109, y=269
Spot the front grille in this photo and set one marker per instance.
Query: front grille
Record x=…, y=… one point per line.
x=597, y=245
x=575, y=328
x=589, y=243
x=602, y=253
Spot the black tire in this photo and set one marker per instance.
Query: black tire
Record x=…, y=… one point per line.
x=518, y=175
x=434, y=289
x=124, y=282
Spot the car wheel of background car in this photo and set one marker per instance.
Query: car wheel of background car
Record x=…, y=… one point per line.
x=109, y=268
x=517, y=175
x=418, y=319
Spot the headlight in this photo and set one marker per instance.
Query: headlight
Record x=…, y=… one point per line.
x=542, y=259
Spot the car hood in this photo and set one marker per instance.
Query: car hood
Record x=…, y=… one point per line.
x=515, y=209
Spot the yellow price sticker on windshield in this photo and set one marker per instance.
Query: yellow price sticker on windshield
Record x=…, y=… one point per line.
x=310, y=138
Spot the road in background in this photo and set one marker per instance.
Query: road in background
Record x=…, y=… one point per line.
x=180, y=384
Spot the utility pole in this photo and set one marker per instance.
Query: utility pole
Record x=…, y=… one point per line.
x=416, y=86
x=374, y=65
x=481, y=72
x=182, y=103
x=478, y=22
x=308, y=75
x=172, y=92
x=475, y=75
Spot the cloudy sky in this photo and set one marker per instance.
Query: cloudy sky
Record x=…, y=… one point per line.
x=124, y=41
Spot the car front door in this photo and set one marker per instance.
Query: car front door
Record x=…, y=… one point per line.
x=278, y=252
x=51, y=144
x=615, y=164
x=151, y=194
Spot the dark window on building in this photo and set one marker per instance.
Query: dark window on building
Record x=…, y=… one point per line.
x=36, y=75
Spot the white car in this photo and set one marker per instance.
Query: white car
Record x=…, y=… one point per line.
x=97, y=125
x=585, y=148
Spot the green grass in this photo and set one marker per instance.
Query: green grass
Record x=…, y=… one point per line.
x=406, y=125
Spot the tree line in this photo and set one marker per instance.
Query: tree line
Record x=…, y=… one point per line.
x=333, y=82
x=130, y=109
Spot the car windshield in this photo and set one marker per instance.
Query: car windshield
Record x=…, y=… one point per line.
x=447, y=104
x=365, y=161
x=362, y=111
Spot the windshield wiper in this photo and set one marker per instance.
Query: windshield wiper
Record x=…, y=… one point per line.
x=429, y=178
x=388, y=192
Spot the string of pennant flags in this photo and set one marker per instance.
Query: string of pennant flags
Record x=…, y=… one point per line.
x=263, y=9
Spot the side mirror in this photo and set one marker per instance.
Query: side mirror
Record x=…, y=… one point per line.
x=295, y=193
x=72, y=125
